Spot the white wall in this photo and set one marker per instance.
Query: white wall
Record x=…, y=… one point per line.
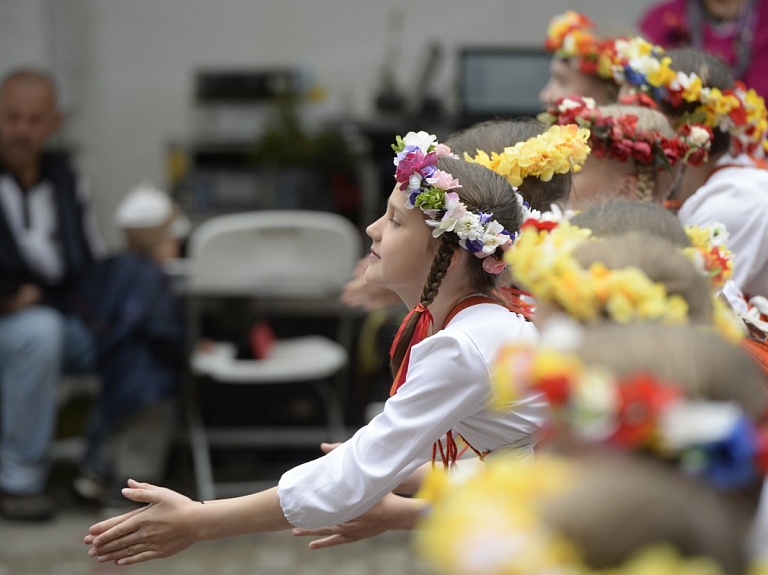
x=126, y=66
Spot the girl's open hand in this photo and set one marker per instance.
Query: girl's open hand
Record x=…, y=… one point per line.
x=161, y=529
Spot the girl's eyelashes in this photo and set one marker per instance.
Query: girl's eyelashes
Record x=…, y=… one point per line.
x=394, y=222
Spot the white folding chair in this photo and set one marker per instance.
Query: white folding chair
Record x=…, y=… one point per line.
x=282, y=257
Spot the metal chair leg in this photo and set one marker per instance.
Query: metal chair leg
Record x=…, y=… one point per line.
x=201, y=457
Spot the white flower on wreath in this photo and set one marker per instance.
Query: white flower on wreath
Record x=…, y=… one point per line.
x=421, y=140
x=696, y=422
x=718, y=234
x=594, y=405
x=469, y=227
x=493, y=238
x=556, y=214
x=698, y=137
x=454, y=211
x=568, y=104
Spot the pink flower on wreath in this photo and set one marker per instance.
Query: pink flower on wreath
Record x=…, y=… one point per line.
x=413, y=163
x=622, y=149
x=443, y=180
x=643, y=152
x=444, y=151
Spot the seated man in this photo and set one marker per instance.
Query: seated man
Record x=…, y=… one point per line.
x=47, y=243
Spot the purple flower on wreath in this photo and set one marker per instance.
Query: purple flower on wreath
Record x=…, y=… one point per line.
x=406, y=150
x=729, y=463
x=472, y=246
x=634, y=77
x=659, y=93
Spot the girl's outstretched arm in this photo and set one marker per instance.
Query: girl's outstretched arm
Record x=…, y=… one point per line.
x=172, y=522
x=392, y=512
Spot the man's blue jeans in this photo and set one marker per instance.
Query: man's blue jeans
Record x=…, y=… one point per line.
x=37, y=344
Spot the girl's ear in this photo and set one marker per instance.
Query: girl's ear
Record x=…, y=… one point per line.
x=628, y=186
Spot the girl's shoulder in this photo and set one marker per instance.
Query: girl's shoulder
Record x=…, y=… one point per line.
x=489, y=320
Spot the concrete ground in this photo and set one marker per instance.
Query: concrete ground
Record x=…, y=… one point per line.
x=56, y=548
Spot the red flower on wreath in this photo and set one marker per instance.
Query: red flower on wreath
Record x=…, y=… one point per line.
x=642, y=398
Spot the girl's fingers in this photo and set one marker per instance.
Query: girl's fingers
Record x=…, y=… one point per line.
x=140, y=558
x=138, y=537
x=132, y=483
x=123, y=553
x=143, y=495
x=320, y=532
x=118, y=531
x=99, y=528
x=331, y=541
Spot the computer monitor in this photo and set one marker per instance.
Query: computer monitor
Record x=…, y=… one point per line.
x=502, y=82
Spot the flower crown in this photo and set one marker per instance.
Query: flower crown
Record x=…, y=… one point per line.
x=490, y=523
x=710, y=253
x=429, y=189
x=569, y=36
x=713, y=440
x=543, y=263
x=738, y=111
x=559, y=150
x=621, y=139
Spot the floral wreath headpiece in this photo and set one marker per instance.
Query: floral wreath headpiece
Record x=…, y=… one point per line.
x=559, y=150
x=542, y=262
x=713, y=440
x=739, y=111
x=621, y=139
x=490, y=523
x=710, y=252
x=570, y=37
x=429, y=189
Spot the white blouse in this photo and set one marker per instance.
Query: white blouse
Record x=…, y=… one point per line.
x=737, y=197
x=447, y=388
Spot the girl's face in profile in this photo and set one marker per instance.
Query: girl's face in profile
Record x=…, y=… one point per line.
x=402, y=250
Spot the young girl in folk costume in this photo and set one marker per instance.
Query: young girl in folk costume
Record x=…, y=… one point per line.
x=581, y=62
x=730, y=186
x=635, y=152
x=660, y=442
x=439, y=247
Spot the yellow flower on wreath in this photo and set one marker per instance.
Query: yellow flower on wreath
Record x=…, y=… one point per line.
x=559, y=150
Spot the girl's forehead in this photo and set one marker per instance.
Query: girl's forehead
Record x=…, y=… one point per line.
x=396, y=203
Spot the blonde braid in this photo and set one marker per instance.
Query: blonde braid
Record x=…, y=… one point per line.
x=646, y=182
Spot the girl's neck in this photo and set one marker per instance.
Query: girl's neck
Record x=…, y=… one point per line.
x=447, y=298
